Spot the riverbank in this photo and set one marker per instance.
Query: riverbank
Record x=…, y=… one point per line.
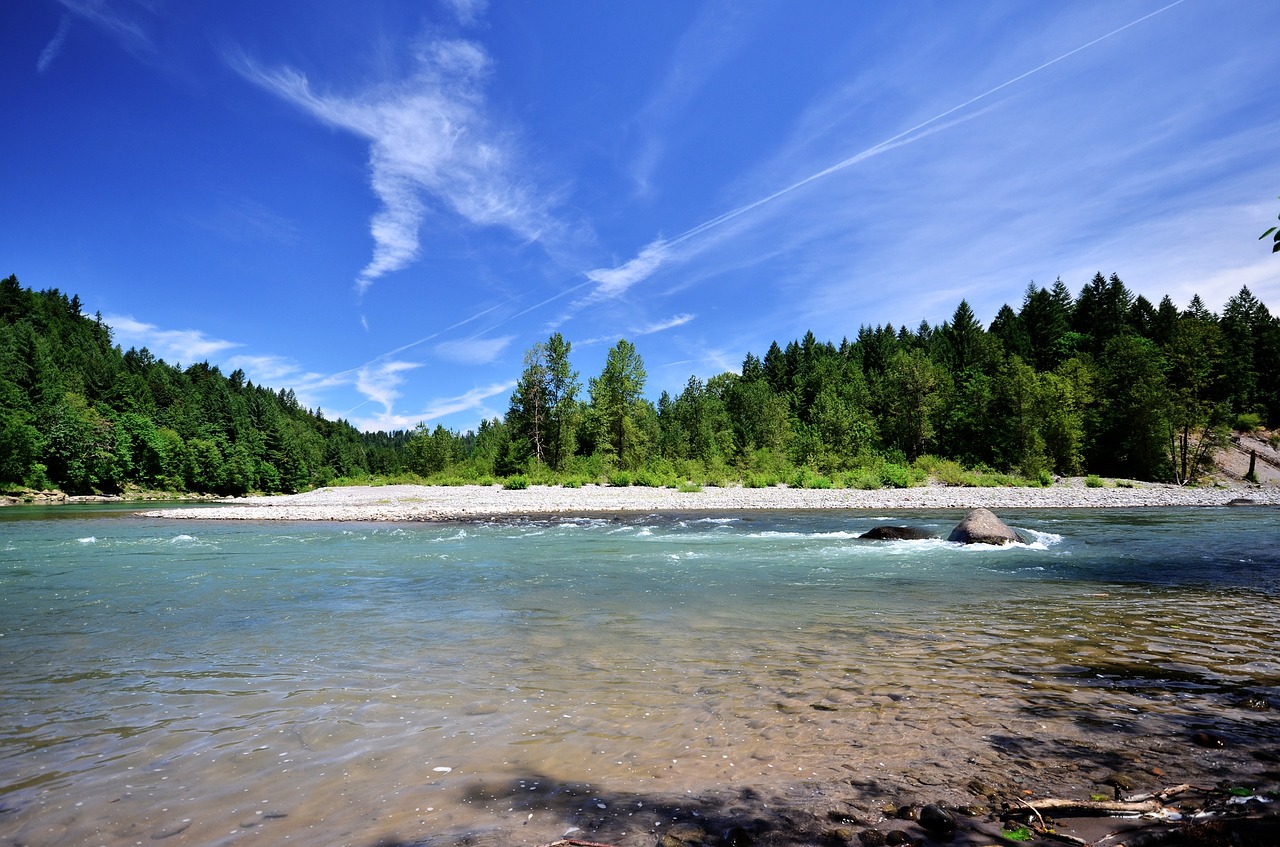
x=474, y=502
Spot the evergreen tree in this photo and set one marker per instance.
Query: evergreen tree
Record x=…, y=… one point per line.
x=615, y=398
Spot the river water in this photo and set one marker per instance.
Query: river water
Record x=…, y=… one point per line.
x=201, y=683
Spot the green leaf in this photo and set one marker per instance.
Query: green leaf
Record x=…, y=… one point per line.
x=1276, y=230
x=1019, y=834
x=1240, y=792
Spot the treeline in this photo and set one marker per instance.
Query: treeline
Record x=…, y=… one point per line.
x=1105, y=382
x=77, y=413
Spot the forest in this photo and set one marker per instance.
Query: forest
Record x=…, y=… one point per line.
x=1103, y=383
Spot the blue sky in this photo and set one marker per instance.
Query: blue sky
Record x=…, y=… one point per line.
x=383, y=204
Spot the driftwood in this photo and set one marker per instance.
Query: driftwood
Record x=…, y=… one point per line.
x=1137, y=804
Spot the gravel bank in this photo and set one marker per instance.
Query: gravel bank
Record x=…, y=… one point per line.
x=474, y=502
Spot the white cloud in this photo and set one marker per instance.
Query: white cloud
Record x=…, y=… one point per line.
x=54, y=47
x=661, y=326
x=430, y=141
x=111, y=21
x=474, y=351
x=470, y=401
x=380, y=382
x=173, y=345
x=613, y=282
x=267, y=370
x=467, y=12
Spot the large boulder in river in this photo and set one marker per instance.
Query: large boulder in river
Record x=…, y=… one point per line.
x=981, y=526
x=897, y=533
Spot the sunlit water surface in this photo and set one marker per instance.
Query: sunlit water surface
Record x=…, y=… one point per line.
x=215, y=683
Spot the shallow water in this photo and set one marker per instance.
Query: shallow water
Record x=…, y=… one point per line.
x=209, y=683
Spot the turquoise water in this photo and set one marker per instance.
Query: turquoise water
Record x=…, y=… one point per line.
x=208, y=682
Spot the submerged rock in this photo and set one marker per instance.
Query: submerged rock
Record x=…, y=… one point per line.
x=981, y=526
x=937, y=820
x=897, y=533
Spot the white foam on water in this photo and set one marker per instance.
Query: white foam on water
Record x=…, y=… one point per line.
x=88, y=540
x=837, y=534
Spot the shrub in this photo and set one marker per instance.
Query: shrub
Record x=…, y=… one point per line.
x=619, y=478
x=518, y=482
x=1093, y=481
x=1247, y=422
x=899, y=476
x=1044, y=478
x=945, y=471
x=865, y=480
x=688, y=488
x=760, y=480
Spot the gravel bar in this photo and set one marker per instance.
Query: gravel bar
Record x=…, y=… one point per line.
x=475, y=502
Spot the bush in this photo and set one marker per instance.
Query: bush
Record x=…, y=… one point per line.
x=516, y=483
x=621, y=479
x=1093, y=481
x=760, y=480
x=688, y=488
x=1044, y=478
x=945, y=471
x=1247, y=422
x=864, y=480
x=899, y=476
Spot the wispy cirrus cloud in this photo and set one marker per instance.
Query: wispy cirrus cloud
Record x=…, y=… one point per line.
x=467, y=12
x=432, y=145
x=640, y=331
x=111, y=19
x=662, y=326
x=473, y=400
x=380, y=382
x=474, y=351
x=612, y=282
x=173, y=345
x=54, y=47
x=717, y=33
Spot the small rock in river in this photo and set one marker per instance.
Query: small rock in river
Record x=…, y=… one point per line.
x=1119, y=780
x=872, y=838
x=937, y=819
x=1207, y=739
x=686, y=833
x=897, y=533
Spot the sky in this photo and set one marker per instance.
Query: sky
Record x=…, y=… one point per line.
x=384, y=204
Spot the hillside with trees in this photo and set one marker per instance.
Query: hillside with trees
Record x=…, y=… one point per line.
x=79, y=414
x=1105, y=382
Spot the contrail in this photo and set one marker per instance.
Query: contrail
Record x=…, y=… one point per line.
x=904, y=137
x=892, y=142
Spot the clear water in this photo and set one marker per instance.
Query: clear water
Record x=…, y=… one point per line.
x=208, y=683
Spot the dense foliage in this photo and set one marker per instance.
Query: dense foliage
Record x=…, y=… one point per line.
x=79, y=414
x=1105, y=382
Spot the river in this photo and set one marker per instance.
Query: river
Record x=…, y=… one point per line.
x=193, y=683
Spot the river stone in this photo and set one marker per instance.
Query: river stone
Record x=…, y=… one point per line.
x=896, y=533
x=981, y=526
x=937, y=819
